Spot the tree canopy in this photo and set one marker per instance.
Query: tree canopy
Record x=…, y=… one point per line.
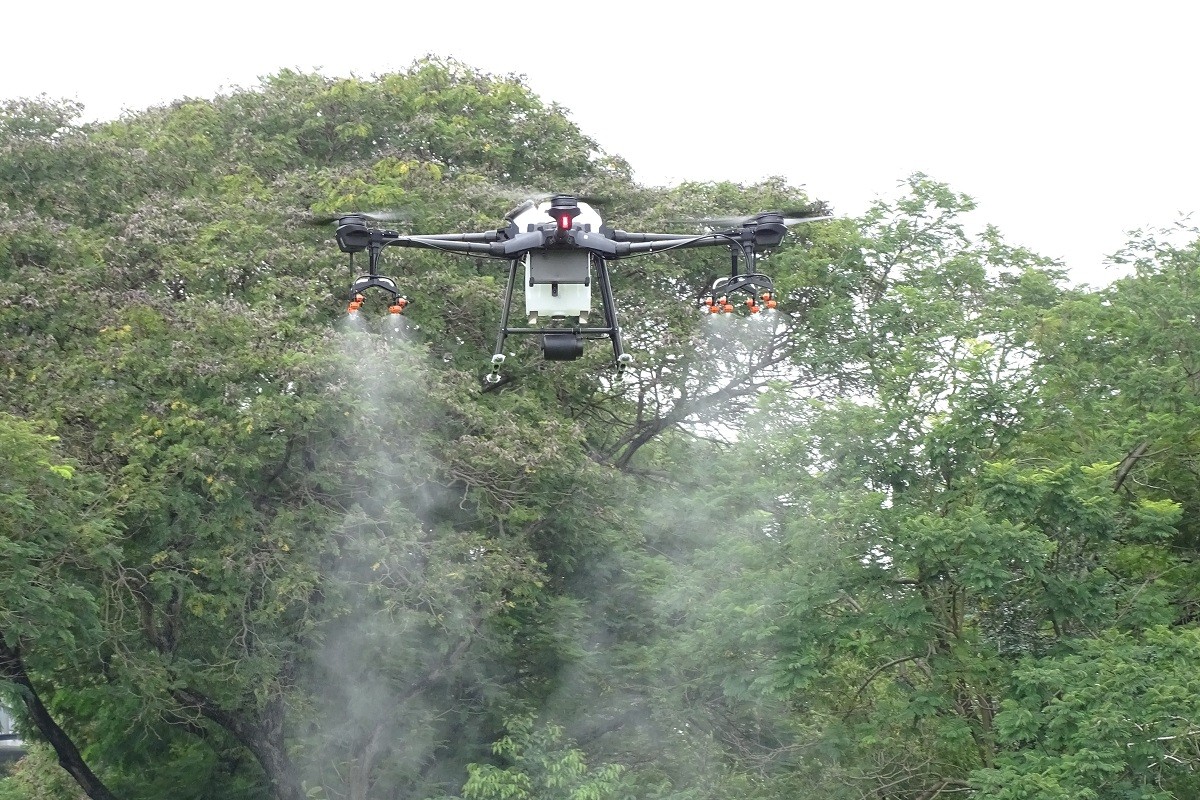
x=930, y=531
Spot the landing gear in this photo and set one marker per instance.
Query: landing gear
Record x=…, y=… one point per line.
x=562, y=343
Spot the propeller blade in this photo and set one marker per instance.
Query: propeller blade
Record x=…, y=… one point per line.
x=723, y=222
x=393, y=215
x=533, y=199
x=387, y=215
x=790, y=221
x=520, y=209
x=788, y=218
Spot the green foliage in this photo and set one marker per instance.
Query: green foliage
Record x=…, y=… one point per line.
x=38, y=776
x=1112, y=717
x=930, y=530
x=170, y=322
x=53, y=544
x=542, y=765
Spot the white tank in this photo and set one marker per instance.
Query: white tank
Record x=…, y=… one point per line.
x=561, y=279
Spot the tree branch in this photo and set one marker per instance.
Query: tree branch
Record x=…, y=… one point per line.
x=875, y=674
x=1127, y=464
x=12, y=668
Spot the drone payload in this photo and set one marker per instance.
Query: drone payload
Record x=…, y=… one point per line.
x=558, y=282
x=562, y=249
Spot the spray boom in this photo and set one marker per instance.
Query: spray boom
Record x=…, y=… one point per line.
x=716, y=300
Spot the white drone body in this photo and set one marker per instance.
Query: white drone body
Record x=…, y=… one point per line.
x=558, y=283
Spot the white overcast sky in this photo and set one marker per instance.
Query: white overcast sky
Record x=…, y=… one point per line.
x=1069, y=122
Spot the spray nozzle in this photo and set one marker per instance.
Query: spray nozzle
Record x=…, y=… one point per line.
x=721, y=304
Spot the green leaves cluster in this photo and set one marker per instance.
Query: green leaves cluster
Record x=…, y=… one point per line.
x=542, y=766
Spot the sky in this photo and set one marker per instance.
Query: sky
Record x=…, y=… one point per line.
x=1070, y=123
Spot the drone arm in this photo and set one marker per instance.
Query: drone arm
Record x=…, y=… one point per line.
x=654, y=244
x=626, y=236
x=484, y=236
x=451, y=245
x=353, y=236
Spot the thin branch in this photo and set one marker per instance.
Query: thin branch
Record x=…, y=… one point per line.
x=875, y=674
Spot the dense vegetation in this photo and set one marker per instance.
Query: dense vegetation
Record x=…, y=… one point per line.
x=933, y=535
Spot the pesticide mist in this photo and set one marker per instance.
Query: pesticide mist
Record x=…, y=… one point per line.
x=398, y=630
x=573, y=624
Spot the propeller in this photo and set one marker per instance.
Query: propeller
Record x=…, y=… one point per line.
x=390, y=215
x=534, y=199
x=787, y=218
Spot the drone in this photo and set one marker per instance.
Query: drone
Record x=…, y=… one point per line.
x=564, y=250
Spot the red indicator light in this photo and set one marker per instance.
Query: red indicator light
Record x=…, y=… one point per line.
x=564, y=222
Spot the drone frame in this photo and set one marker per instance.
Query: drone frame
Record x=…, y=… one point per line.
x=562, y=234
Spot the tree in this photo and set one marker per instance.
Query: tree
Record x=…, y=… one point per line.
x=843, y=553
x=55, y=548
x=195, y=372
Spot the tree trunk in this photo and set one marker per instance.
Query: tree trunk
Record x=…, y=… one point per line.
x=12, y=668
x=263, y=738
